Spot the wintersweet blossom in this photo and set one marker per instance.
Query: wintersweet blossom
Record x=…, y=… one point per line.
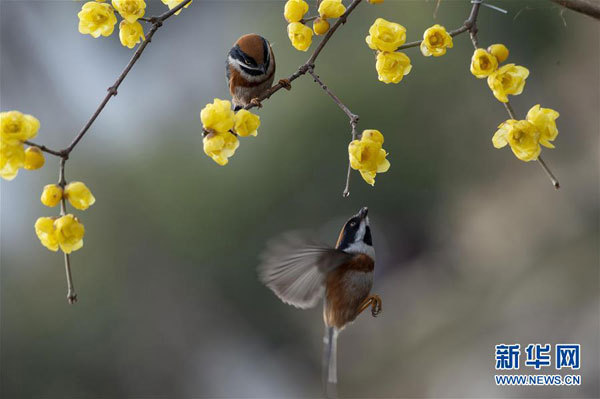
x=522, y=137
x=34, y=158
x=508, y=79
x=246, y=123
x=367, y=155
x=131, y=33
x=435, y=41
x=331, y=8
x=300, y=36
x=392, y=67
x=220, y=146
x=51, y=195
x=544, y=119
x=218, y=116
x=130, y=10
x=96, y=19
x=385, y=35
x=483, y=63
x=79, y=195
x=294, y=10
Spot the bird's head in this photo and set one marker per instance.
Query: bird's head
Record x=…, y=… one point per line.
x=251, y=55
x=355, y=236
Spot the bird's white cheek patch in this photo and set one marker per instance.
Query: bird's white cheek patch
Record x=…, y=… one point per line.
x=361, y=248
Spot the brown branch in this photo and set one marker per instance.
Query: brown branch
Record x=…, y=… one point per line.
x=112, y=90
x=353, y=121
x=587, y=7
x=62, y=182
x=43, y=148
x=470, y=25
x=553, y=179
x=310, y=63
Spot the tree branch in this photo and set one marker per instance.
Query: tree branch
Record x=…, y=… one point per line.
x=112, y=90
x=303, y=69
x=353, y=121
x=587, y=7
x=43, y=148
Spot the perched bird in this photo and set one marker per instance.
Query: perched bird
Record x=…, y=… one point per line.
x=250, y=69
x=301, y=272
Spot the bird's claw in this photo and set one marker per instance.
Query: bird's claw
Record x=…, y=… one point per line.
x=286, y=84
x=376, y=306
x=256, y=102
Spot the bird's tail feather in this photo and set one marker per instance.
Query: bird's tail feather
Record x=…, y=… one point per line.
x=330, y=362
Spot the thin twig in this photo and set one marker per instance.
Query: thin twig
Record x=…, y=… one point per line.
x=587, y=7
x=71, y=294
x=112, y=90
x=44, y=148
x=303, y=69
x=553, y=179
x=353, y=121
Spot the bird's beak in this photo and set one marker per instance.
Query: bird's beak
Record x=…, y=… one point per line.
x=363, y=212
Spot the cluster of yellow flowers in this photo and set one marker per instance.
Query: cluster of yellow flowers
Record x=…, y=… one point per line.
x=15, y=128
x=223, y=126
x=301, y=35
x=508, y=79
x=525, y=136
x=64, y=231
x=386, y=37
x=367, y=155
x=97, y=18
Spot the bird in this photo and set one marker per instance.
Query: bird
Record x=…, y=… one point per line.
x=303, y=271
x=250, y=70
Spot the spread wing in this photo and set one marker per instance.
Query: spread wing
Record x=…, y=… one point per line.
x=295, y=268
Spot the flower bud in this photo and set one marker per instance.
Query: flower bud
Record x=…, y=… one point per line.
x=34, y=159
x=51, y=195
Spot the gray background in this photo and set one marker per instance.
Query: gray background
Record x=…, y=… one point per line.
x=474, y=247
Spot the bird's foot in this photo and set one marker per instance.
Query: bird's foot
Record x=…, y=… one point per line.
x=286, y=84
x=376, y=305
x=256, y=102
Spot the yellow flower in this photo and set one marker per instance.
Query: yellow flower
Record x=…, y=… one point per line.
x=246, y=123
x=391, y=67
x=131, y=33
x=34, y=158
x=220, y=146
x=331, y=9
x=130, y=10
x=435, y=41
x=385, y=35
x=499, y=51
x=12, y=157
x=51, y=195
x=96, y=19
x=79, y=195
x=46, y=232
x=367, y=156
x=16, y=127
x=294, y=10
x=320, y=26
x=217, y=116
x=483, y=63
x=522, y=136
x=69, y=233
x=300, y=36
x=509, y=79
x=174, y=3
x=544, y=119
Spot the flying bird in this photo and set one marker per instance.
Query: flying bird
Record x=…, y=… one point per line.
x=301, y=272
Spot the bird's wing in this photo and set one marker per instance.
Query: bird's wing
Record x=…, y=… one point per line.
x=295, y=268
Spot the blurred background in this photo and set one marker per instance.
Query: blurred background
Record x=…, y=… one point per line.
x=474, y=248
